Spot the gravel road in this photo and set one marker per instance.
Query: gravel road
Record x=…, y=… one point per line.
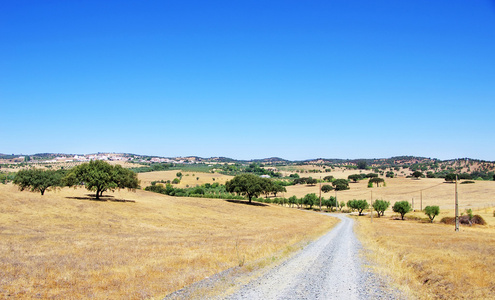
x=329, y=268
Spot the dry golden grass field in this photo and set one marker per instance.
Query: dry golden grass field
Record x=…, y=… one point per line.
x=432, y=191
x=64, y=245
x=190, y=179
x=432, y=261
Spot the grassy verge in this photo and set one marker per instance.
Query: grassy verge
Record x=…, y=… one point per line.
x=432, y=261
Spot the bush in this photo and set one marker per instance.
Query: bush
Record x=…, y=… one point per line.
x=448, y=220
x=476, y=219
x=467, y=181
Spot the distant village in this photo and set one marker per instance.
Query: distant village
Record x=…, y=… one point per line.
x=117, y=157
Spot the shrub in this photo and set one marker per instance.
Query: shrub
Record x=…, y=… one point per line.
x=448, y=220
x=476, y=219
x=467, y=181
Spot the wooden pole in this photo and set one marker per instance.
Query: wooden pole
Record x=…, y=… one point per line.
x=320, y=193
x=336, y=199
x=371, y=207
x=456, y=207
x=421, y=201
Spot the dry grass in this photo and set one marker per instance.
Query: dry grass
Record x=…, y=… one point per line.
x=432, y=261
x=435, y=192
x=190, y=179
x=54, y=246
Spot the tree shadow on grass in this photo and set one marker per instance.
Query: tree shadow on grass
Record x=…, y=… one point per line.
x=91, y=197
x=247, y=203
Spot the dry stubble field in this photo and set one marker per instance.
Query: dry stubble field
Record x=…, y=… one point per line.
x=190, y=179
x=435, y=191
x=63, y=245
x=432, y=261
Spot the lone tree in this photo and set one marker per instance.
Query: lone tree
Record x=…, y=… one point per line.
x=326, y=188
x=38, y=180
x=380, y=206
x=432, y=212
x=100, y=176
x=248, y=185
x=402, y=207
x=376, y=180
x=340, y=184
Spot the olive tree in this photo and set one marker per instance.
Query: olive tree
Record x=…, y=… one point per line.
x=432, y=212
x=402, y=207
x=380, y=206
x=310, y=200
x=359, y=205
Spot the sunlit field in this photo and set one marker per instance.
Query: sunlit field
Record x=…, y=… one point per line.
x=423, y=192
x=432, y=261
x=64, y=245
x=190, y=179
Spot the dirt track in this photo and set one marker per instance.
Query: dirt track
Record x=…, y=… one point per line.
x=329, y=268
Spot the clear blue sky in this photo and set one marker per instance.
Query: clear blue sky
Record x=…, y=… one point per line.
x=249, y=79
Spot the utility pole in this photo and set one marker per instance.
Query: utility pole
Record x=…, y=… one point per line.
x=371, y=207
x=421, y=200
x=336, y=202
x=320, y=193
x=456, y=207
